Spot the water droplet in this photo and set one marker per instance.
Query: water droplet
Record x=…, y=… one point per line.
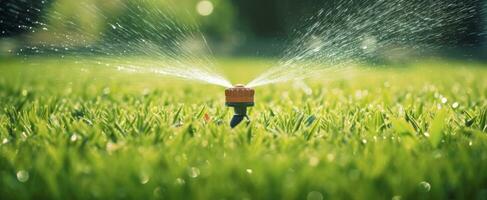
x=74, y=137
x=444, y=100
x=470, y=143
x=22, y=176
x=425, y=186
x=194, y=172
x=455, y=105
x=4, y=141
x=24, y=135
x=364, y=141
x=180, y=181
x=144, y=178
x=397, y=197
x=314, y=195
x=249, y=171
x=24, y=92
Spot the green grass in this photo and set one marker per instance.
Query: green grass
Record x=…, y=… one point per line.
x=71, y=132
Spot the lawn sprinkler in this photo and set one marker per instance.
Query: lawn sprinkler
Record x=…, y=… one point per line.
x=239, y=97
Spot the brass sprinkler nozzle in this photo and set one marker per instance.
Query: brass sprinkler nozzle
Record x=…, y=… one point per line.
x=239, y=97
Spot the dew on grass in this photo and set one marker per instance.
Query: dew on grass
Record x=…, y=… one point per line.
x=74, y=137
x=425, y=186
x=249, y=171
x=22, y=176
x=396, y=197
x=144, y=178
x=314, y=195
x=5, y=141
x=444, y=100
x=194, y=172
x=364, y=141
x=180, y=181
x=455, y=105
x=24, y=135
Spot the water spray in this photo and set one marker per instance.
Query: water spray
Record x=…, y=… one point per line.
x=239, y=97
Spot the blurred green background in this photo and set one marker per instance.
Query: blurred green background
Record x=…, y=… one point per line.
x=232, y=27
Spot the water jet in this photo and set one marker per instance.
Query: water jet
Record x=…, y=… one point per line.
x=239, y=97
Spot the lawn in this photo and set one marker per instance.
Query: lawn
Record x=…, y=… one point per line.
x=68, y=131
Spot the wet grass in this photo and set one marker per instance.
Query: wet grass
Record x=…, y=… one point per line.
x=72, y=132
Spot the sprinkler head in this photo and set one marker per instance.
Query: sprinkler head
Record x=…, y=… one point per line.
x=239, y=97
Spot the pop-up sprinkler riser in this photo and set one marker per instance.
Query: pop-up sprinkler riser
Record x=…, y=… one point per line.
x=239, y=97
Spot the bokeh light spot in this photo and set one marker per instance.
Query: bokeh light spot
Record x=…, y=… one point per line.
x=204, y=8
